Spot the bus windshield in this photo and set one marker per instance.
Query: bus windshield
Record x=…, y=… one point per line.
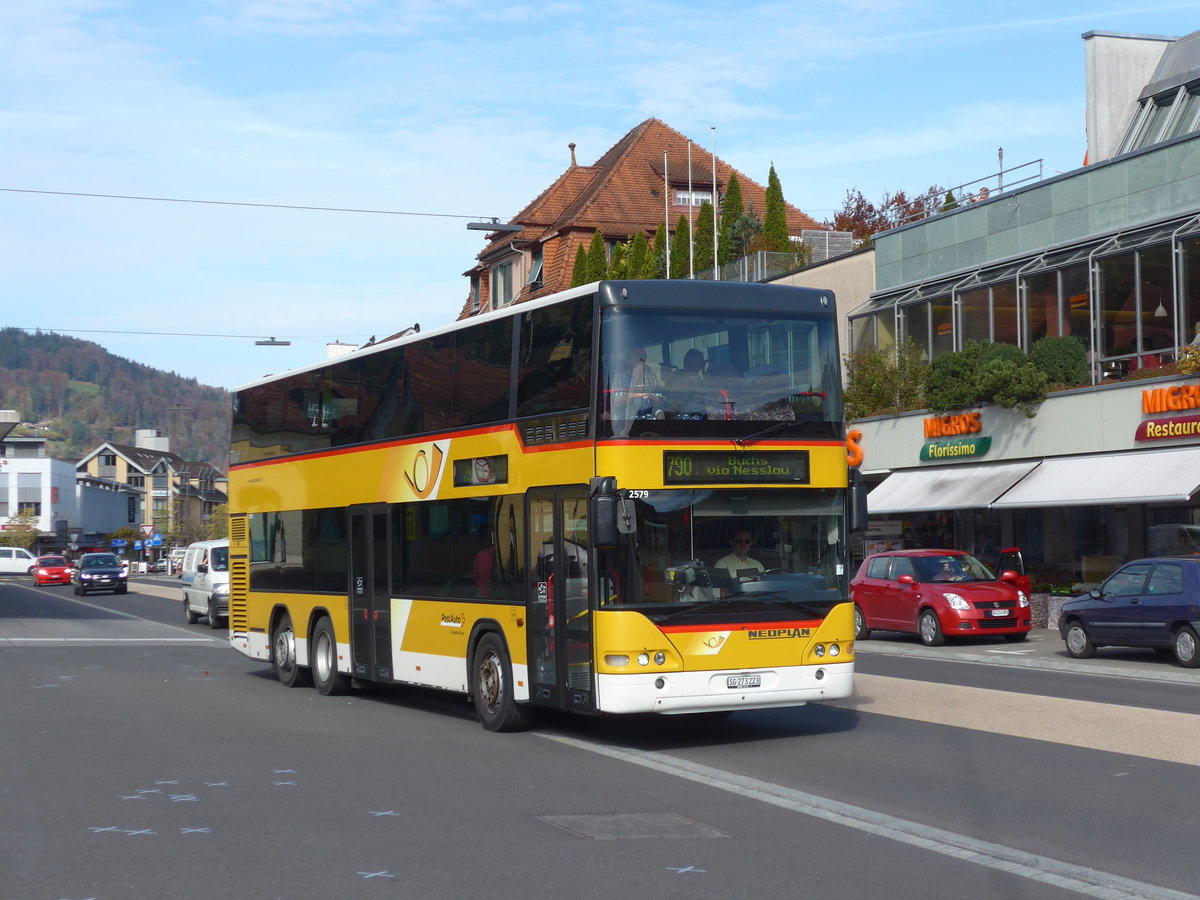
x=733, y=547
x=682, y=374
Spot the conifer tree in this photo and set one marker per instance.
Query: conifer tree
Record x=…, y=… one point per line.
x=679, y=248
x=618, y=263
x=597, y=258
x=580, y=271
x=639, y=255
x=658, y=258
x=732, y=209
x=704, y=238
x=775, y=228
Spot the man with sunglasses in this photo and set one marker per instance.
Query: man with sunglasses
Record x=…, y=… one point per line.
x=739, y=562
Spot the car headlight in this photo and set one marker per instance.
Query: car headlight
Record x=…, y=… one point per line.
x=221, y=589
x=1022, y=600
x=956, y=601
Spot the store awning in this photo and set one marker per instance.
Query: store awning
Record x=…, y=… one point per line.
x=946, y=487
x=1157, y=476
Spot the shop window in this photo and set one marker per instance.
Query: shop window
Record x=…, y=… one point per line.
x=1157, y=309
x=1191, y=287
x=1041, y=292
x=1006, y=324
x=916, y=325
x=1118, y=306
x=942, y=321
x=976, y=309
x=1077, y=307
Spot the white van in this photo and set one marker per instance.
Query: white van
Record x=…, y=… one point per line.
x=206, y=582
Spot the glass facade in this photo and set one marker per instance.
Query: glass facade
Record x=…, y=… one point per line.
x=1125, y=299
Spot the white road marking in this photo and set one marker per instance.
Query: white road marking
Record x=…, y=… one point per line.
x=1080, y=879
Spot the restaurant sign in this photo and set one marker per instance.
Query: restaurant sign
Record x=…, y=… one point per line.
x=1166, y=400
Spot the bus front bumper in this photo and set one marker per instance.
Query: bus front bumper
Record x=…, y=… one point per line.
x=710, y=691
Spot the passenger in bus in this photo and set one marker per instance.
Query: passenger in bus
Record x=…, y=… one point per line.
x=740, y=563
x=637, y=392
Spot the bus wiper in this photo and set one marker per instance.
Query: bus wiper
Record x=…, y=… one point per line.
x=782, y=596
x=742, y=441
x=691, y=608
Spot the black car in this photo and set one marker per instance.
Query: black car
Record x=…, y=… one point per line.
x=1145, y=603
x=99, y=572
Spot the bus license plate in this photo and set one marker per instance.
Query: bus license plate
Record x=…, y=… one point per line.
x=743, y=681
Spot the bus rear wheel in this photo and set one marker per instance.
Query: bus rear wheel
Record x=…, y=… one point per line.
x=492, y=687
x=283, y=654
x=325, y=672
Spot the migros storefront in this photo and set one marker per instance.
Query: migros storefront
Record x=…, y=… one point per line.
x=1098, y=476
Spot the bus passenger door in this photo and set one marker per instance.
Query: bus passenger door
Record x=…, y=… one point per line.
x=370, y=593
x=559, y=607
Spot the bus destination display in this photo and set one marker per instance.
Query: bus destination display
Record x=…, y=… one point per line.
x=735, y=467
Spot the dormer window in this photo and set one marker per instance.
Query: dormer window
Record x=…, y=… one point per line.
x=684, y=197
x=502, y=284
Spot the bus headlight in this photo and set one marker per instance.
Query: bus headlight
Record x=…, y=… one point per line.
x=835, y=650
x=616, y=660
x=660, y=658
x=643, y=659
x=819, y=651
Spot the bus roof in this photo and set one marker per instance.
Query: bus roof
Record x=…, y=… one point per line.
x=675, y=292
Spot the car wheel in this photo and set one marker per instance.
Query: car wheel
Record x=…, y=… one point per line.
x=326, y=676
x=1187, y=653
x=861, y=631
x=214, y=620
x=283, y=655
x=1079, y=643
x=930, y=629
x=192, y=618
x=492, y=688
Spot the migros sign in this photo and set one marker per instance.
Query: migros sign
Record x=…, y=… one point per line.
x=1175, y=398
x=953, y=426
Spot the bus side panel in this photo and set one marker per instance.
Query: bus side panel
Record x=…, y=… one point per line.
x=431, y=641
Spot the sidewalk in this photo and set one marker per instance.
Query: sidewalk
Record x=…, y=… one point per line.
x=1043, y=649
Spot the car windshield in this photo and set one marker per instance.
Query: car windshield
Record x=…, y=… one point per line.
x=52, y=561
x=951, y=567
x=99, y=562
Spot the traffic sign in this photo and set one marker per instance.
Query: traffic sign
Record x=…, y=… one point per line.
x=147, y=530
x=137, y=545
x=156, y=541
x=118, y=542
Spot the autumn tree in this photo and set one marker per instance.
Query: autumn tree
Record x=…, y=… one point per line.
x=865, y=219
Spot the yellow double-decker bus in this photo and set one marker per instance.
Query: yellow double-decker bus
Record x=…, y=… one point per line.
x=630, y=497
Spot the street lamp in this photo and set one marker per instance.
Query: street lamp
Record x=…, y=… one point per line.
x=495, y=225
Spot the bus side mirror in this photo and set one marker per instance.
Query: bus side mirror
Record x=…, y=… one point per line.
x=612, y=513
x=856, y=502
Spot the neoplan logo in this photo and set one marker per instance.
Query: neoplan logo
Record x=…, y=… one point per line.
x=774, y=634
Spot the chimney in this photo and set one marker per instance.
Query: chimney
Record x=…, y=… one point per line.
x=572, y=146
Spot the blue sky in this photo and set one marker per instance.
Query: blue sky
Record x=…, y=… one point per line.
x=458, y=110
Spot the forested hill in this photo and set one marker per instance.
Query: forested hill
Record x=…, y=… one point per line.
x=79, y=395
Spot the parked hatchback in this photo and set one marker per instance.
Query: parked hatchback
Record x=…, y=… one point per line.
x=100, y=572
x=51, y=570
x=1145, y=603
x=937, y=594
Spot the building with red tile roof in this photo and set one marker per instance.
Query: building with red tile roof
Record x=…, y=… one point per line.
x=625, y=191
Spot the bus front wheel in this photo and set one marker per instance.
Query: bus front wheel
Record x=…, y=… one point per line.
x=492, y=687
x=325, y=672
x=283, y=654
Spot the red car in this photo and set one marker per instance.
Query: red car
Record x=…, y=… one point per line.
x=937, y=594
x=51, y=570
